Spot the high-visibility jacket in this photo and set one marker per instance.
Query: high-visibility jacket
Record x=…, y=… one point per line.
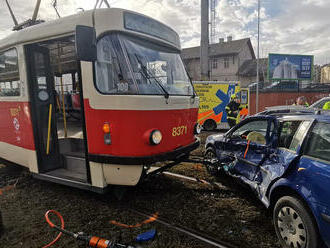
x=306, y=104
x=326, y=106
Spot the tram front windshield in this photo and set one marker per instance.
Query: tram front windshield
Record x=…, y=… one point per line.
x=128, y=65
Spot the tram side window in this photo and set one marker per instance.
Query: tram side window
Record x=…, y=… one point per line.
x=9, y=74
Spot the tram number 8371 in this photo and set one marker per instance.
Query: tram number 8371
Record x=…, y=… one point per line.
x=177, y=131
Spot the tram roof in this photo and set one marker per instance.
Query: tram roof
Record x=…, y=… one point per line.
x=66, y=25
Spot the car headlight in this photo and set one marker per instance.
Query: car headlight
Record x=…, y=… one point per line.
x=197, y=128
x=156, y=137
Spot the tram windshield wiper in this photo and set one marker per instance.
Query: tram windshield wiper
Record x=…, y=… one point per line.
x=149, y=75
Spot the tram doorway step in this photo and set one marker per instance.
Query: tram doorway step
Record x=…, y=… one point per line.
x=74, y=168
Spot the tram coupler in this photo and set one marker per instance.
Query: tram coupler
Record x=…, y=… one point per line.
x=174, y=163
x=164, y=168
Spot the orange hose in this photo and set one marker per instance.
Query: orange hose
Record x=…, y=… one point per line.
x=247, y=148
x=51, y=224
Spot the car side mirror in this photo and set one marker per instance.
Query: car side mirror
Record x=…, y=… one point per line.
x=86, y=43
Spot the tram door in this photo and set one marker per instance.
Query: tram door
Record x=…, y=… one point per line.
x=42, y=93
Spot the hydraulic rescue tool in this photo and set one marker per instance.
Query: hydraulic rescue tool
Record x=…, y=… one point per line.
x=90, y=241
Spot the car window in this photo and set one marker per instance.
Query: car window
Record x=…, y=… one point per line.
x=320, y=104
x=256, y=131
x=299, y=136
x=288, y=130
x=318, y=145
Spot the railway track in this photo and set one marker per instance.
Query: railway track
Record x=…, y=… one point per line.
x=187, y=231
x=197, y=235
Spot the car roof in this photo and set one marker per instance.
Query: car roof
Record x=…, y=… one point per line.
x=324, y=116
x=327, y=98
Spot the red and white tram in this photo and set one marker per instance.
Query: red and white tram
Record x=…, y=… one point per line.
x=94, y=99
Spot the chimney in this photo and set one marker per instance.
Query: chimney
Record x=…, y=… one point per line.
x=229, y=38
x=221, y=40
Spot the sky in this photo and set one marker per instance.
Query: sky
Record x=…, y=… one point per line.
x=287, y=26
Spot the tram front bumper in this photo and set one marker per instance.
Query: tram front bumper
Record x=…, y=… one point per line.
x=175, y=155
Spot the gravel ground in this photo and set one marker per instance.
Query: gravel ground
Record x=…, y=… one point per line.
x=231, y=214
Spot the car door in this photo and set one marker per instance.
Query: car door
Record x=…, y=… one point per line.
x=246, y=147
x=315, y=163
x=290, y=137
x=314, y=174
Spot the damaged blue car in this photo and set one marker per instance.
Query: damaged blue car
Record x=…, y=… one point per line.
x=285, y=160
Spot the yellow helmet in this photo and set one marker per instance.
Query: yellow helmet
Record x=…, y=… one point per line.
x=232, y=97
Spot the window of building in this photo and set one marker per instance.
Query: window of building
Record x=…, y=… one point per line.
x=214, y=63
x=226, y=62
x=318, y=145
x=9, y=75
x=233, y=60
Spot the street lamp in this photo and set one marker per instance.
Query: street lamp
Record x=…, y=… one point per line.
x=258, y=55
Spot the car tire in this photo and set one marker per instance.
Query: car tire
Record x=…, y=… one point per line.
x=210, y=154
x=209, y=125
x=294, y=224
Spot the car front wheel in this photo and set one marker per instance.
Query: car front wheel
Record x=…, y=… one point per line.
x=294, y=224
x=209, y=155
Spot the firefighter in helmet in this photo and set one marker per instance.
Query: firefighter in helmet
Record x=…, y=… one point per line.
x=233, y=108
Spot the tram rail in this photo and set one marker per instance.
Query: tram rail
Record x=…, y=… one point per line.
x=187, y=231
x=194, y=234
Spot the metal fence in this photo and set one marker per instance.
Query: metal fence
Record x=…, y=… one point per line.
x=290, y=86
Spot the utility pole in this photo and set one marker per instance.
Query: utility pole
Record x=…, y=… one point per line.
x=204, y=53
x=213, y=21
x=258, y=55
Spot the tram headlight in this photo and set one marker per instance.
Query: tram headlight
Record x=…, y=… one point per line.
x=197, y=128
x=155, y=137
